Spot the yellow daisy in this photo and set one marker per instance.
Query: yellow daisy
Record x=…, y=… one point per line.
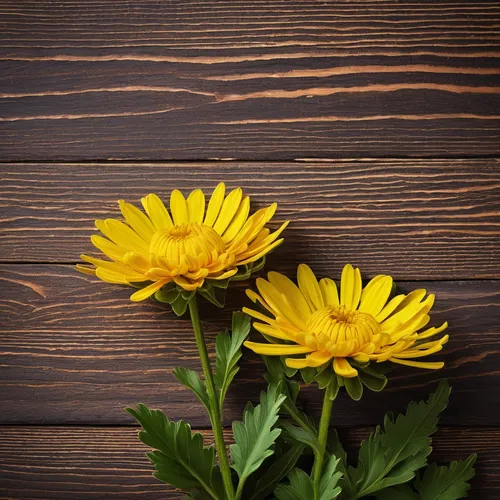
x=361, y=324
x=187, y=245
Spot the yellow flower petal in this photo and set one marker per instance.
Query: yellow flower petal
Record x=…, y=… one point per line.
x=86, y=270
x=261, y=254
x=312, y=360
x=390, y=308
x=350, y=287
x=187, y=285
x=280, y=308
x=309, y=286
x=122, y=235
x=329, y=292
x=228, y=210
x=342, y=367
x=139, y=222
x=108, y=248
x=407, y=313
x=271, y=331
x=239, y=219
x=179, y=208
x=215, y=204
x=277, y=349
x=432, y=331
x=375, y=295
x=419, y=364
x=157, y=212
x=257, y=315
x=196, y=206
x=146, y=292
x=291, y=292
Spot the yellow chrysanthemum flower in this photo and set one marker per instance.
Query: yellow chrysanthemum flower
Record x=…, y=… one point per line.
x=186, y=245
x=360, y=324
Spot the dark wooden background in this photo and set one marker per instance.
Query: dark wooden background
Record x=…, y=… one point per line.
x=375, y=125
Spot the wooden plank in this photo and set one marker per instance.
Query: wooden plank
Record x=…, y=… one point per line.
x=90, y=463
x=75, y=350
x=414, y=219
x=248, y=79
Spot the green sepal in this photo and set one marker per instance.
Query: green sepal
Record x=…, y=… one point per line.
x=192, y=381
x=217, y=296
x=218, y=283
x=332, y=389
x=354, y=387
x=167, y=294
x=277, y=369
x=179, y=305
x=373, y=380
x=308, y=374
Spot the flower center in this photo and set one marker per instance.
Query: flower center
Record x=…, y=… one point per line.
x=191, y=242
x=337, y=324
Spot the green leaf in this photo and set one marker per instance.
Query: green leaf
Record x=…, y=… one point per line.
x=255, y=436
x=334, y=446
x=401, y=492
x=392, y=456
x=192, y=381
x=302, y=435
x=277, y=471
x=228, y=353
x=300, y=487
x=328, y=489
x=180, y=457
x=446, y=482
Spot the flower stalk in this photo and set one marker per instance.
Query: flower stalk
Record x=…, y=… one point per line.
x=324, y=424
x=215, y=410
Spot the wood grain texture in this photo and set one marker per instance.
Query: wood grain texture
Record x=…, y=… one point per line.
x=91, y=463
x=414, y=219
x=76, y=350
x=248, y=79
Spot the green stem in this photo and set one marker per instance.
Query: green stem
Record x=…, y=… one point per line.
x=322, y=438
x=215, y=415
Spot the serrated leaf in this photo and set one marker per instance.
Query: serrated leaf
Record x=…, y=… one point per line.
x=300, y=487
x=401, y=492
x=302, y=435
x=446, y=482
x=228, y=353
x=255, y=435
x=180, y=458
x=392, y=456
x=328, y=489
x=277, y=471
x=192, y=381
